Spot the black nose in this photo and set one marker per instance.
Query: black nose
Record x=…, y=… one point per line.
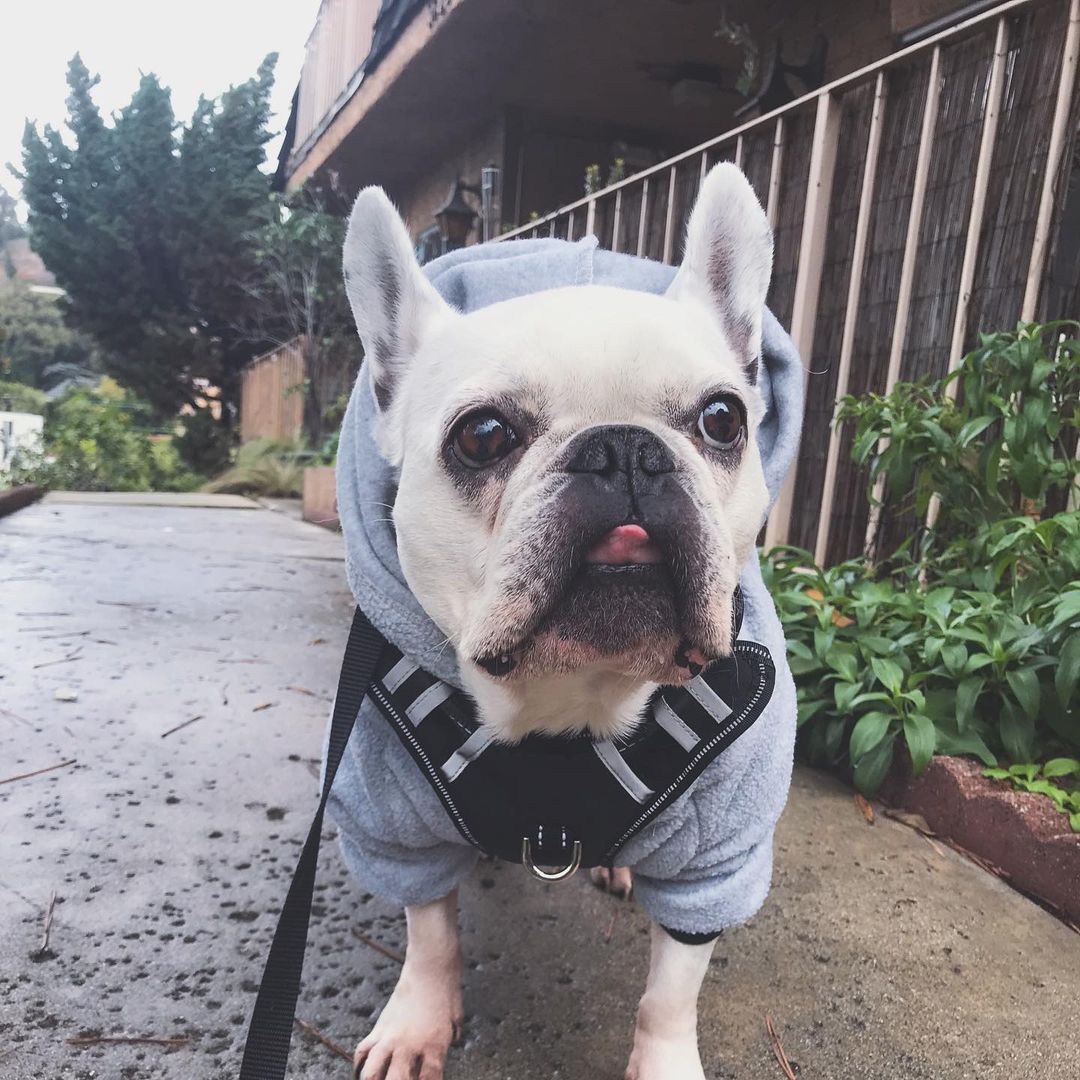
x=619, y=448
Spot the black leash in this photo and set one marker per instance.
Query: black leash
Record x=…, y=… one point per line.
x=266, y=1052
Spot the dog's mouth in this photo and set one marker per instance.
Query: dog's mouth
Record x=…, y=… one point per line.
x=624, y=606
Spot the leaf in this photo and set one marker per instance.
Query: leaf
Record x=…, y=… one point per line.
x=1061, y=767
x=871, y=769
x=954, y=657
x=921, y=738
x=1066, y=609
x=967, y=743
x=844, y=693
x=1068, y=671
x=844, y=661
x=1025, y=685
x=1017, y=732
x=967, y=694
x=869, y=730
x=807, y=710
x=890, y=674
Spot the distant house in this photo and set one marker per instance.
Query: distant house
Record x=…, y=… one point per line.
x=19, y=262
x=917, y=160
x=18, y=431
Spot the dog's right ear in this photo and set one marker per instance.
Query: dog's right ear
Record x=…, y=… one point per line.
x=392, y=302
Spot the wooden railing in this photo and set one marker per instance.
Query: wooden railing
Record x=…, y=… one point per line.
x=914, y=203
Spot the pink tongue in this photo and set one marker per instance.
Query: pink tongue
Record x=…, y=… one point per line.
x=625, y=545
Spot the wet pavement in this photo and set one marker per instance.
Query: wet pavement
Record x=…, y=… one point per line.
x=178, y=662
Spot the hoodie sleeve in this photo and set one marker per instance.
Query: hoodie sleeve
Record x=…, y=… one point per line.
x=395, y=836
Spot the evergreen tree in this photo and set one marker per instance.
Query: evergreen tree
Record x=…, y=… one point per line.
x=149, y=228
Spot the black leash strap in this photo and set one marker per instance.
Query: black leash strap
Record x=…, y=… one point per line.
x=270, y=1031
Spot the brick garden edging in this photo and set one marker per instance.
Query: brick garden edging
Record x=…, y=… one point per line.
x=1019, y=833
x=17, y=497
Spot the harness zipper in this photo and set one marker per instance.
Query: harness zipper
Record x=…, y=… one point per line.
x=376, y=692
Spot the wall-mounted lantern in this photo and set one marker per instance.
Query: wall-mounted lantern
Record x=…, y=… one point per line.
x=457, y=216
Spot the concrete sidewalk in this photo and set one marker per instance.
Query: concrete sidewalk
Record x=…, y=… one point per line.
x=878, y=955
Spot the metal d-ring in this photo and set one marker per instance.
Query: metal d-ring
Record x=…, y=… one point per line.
x=549, y=875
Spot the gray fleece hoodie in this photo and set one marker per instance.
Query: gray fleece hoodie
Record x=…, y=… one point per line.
x=705, y=862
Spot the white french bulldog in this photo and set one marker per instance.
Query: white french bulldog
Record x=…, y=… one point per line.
x=580, y=485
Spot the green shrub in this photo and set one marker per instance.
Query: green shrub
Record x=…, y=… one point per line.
x=264, y=467
x=90, y=444
x=18, y=397
x=204, y=444
x=968, y=641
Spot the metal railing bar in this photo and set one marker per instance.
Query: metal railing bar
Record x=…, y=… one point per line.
x=907, y=270
x=643, y=215
x=669, y=217
x=978, y=194
x=845, y=81
x=1041, y=243
x=774, y=173
x=819, y=185
x=851, y=311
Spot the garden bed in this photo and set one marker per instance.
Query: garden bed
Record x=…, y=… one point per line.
x=17, y=497
x=1021, y=835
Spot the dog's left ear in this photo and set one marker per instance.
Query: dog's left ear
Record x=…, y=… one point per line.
x=392, y=302
x=728, y=260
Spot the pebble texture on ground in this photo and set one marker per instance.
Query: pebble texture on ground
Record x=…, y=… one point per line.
x=879, y=956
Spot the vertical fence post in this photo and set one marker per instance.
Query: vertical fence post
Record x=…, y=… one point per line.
x=808, y=276
x=704, y=169
x=907, y=269
x=590, y=218
x=994, y=93
x=669, y=218
x=739, y=151
x=774, y=172
x=643, y=216
x=1062, y=106
x=616, y=220
x=570, y=225
x=851, y=311
x=978, y=194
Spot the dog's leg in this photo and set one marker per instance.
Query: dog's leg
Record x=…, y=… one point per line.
x=424, y=1013
x=617, y=880
x=665, y=1038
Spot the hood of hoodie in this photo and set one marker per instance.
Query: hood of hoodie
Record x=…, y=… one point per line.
x=470, y=279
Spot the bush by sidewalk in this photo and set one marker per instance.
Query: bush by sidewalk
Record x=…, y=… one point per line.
x=965, y=640
x=98, y=440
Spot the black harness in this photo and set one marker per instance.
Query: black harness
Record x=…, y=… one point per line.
x=559, y=802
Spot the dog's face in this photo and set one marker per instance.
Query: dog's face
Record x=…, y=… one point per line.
x=580, y=481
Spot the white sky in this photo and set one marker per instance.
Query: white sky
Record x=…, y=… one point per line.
x=193, y=46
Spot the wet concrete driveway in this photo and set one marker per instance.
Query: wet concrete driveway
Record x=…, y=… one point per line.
x=169, y=849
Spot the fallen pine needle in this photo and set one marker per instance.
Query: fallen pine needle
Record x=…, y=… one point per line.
x=302, y=690
x=65, y=660
x=865, y=807
x=38, y=772
x=264, y=705
x=183, y=725
x=378, y=946
x=610, y=928
x=42, y=950
x=315, y=1033
x=127, y=1040
x=778, y=1050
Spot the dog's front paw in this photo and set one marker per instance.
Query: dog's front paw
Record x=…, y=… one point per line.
x=659, y=1058
x=618, y=880
x=413, y=1033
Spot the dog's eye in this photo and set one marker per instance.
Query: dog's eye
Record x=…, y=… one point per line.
x=483, y=438
x=721, y=423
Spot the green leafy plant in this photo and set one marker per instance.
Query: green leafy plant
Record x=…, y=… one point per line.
x=1049, y=780
x=967, y=642
x=264, y=467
